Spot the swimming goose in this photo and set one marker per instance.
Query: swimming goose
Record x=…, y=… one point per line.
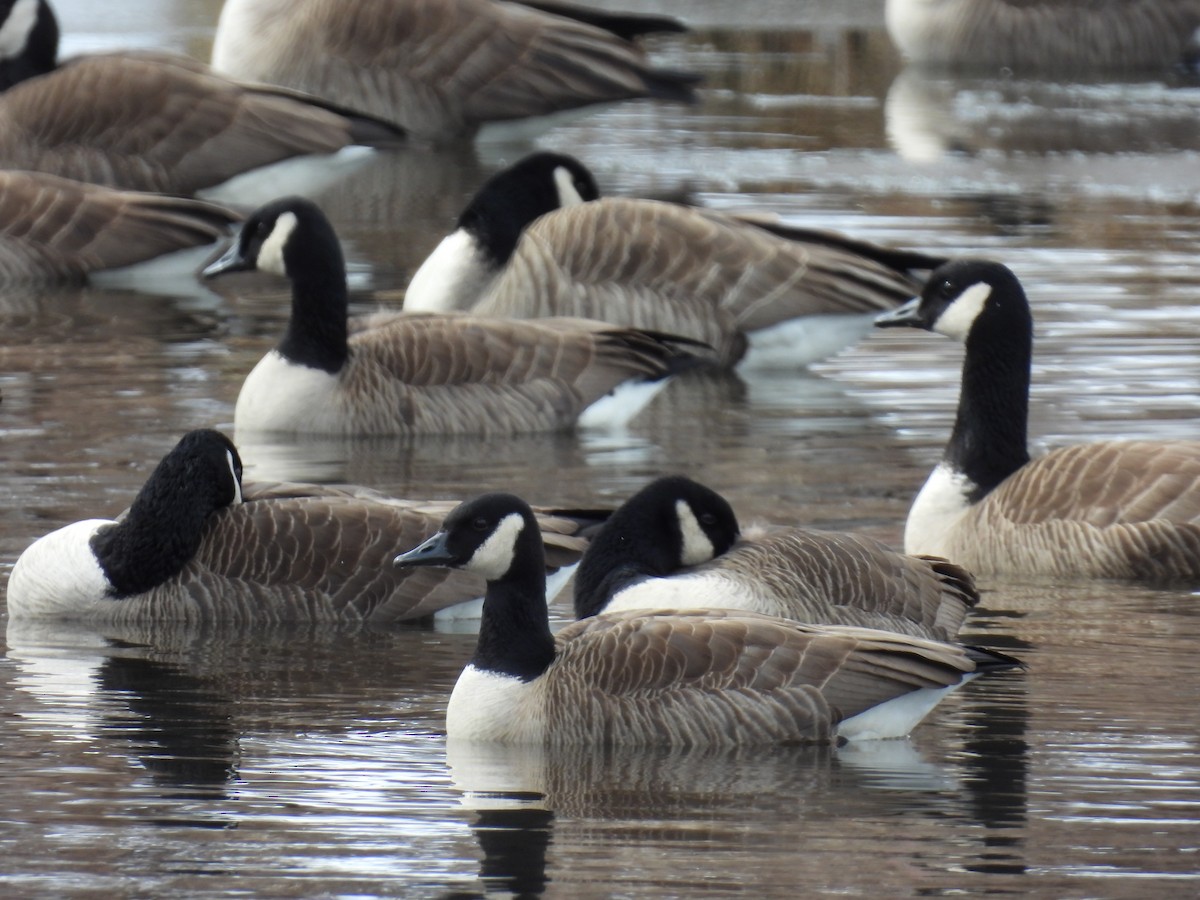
x=1045, y=35
x=54, y=229
x=440, y=68
x=1112, y=509
x=196, y=546
x=149, y=121
x=693, y=677
x=677, y=544
x=527, y=245
x=424, y=374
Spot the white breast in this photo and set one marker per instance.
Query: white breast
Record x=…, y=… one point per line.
x=936, y=512
x=58, y=575
x=695, y=590
x=452, y=277
x=280, y=395
x=486, y=706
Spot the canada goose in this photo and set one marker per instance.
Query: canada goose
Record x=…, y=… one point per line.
x=676, y=543
x=1112, y=509
x=53, y=229
x=527, y=245
x=194, y=547
x=1045, y=35
x=439, y=68
x=149, y=121
x=421, y=374
x=692, y=677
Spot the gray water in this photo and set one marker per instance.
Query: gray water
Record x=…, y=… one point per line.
x=309, y=764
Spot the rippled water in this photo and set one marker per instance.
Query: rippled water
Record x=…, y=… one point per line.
x=307, y=764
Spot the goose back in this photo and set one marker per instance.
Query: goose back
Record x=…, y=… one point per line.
x=439, y=68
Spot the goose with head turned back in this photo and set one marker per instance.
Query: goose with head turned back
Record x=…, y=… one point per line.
x=676, y=544
x=54, y=229
x=693, y=677
x=442, y=68
x=1045, y=35
x=198, y=547
x=1112, y=509
x=425, y=374
x=528, y=245
x=149, y=121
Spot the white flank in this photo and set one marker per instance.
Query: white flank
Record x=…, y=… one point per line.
x=616, y=408
x=14, y=33
x=556, y=581
x=309, y=176
x=270, y=255
x=956, y=321
x=487, y=706
x=472, y=609
x=896, y=718
x=798, y=342
x=567, y=194
x=452, y=277
x=494, y=556
x=58, y=575
x=697, y=548
x=939, y=506
x=697, y=590
x=280, y=395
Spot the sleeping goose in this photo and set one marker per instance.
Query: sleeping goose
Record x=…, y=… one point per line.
x=1112, y=509
x=676, y=544
x=54, y=229
x=149, y=121
x=528, y=245
x=1045, y=35
x=443, y=68
x=425, y=374
x=693, y=677
x=197, y=547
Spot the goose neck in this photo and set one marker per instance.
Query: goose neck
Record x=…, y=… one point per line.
x=514, y=632
x=317, y=332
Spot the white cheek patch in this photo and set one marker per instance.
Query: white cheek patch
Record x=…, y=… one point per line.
x=960, y=315
x=495, y=556
x=237, y=485
x=14, y=35
x=567, y=194
x=270, y=255
x=697, y=548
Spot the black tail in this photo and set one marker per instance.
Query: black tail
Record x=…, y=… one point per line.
x=624, y=25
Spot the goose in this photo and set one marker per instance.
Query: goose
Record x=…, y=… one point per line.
x=443, y=68
x=150, y=121
x=420, y=374
x=689, y=677
x=199, y=546
x=1045, y=35
x=529, y=245
x=54, y=229
x=1111, y=509
x=677, y=544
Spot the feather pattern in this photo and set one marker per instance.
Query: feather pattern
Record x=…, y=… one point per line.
x=1043, y=35
x=52, y=229
x=439, y=68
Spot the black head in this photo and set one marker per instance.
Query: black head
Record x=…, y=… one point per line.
x=285, y=237
x=165, y=523
x=960, y=294
x=28, y=40
x=671, y=523
x=494, y=535
x=512, y=198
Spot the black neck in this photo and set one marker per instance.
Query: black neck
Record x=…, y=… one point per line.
x=317, y=332
x=988, y=442
x=40, y=54
x=152, y=544
x=496, y=218
x=514, y=632
x=614, y=559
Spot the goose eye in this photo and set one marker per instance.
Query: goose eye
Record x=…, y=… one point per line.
x=479, y=523
x=708, y=519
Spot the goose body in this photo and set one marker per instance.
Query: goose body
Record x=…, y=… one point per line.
x=149, y=121
x=195, y=548
x=1045, y=35
x=690, y=677
x=789, y=295
x=1111, y=509
x=440, y=68
x=419, y=374
x=54, y=229
x=676, y=544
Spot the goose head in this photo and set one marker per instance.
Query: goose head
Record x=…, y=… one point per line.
x=289, y=237
x=28, y=40
x=965, y=297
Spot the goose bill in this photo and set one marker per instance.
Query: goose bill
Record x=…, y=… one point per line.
x=229, y=261
x=431, y=552
x=908, y=314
